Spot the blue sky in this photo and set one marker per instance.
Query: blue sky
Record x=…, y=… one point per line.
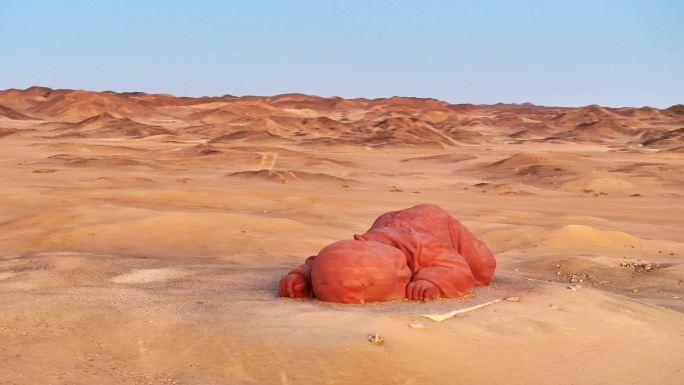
x=571, y=53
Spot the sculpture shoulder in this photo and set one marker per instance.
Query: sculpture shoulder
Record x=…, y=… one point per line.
x=417, y=216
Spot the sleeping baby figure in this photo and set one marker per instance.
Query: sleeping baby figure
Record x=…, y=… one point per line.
x=419, y=253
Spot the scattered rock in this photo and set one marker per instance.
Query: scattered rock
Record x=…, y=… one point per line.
x=416, y=325
x=512, y=299
x=579, y=278
x=643, y=267
x=375, y=339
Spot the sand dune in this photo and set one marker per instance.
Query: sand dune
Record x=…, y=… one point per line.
x=584, y=115
x=499, y=188
x=601, y=129
x=106, y=125
x=664, y=174
x=85, y=148
x=7, y=131
x=142, y=238
x=8, y=113
x=603, y=185
x=287, y=176
x=587, y=239
x=676, y=152
x=677, y=109
x=536, y=168
x=531, y=159
x=244, y=135
x=442, y=158
x=666, y=139
x=104, y=161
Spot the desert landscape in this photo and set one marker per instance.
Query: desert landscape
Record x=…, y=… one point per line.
x=142, y=238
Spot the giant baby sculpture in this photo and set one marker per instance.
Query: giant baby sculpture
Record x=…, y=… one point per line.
x=419, y=253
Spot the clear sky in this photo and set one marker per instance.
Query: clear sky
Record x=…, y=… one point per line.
x=553, y=52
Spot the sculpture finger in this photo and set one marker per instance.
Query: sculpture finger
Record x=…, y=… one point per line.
x=290, y=287
x=408, y=290
x=421, y=293
x=415, y=292
x=300, y=287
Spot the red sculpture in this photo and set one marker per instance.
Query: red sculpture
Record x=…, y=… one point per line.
x=419, y=253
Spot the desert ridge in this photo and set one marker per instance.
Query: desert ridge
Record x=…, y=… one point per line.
x=317, y=121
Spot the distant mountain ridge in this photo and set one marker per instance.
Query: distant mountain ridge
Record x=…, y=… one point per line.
x=314, y=120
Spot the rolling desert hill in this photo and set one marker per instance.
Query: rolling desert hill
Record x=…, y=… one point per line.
x=379, y=122
x=142, y=238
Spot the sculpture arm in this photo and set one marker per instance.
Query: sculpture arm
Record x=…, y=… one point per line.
x=438, y=269
x=443, y=268
x=476, y=253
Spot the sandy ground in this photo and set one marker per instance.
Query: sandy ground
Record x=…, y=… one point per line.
x=142, y=238
x=163, y=269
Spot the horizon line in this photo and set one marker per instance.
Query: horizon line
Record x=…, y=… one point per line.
x=526, y=103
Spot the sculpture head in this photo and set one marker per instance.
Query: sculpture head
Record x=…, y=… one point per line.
x=358, y=271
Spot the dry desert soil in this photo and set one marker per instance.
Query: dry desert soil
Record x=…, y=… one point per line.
x=142, y=238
